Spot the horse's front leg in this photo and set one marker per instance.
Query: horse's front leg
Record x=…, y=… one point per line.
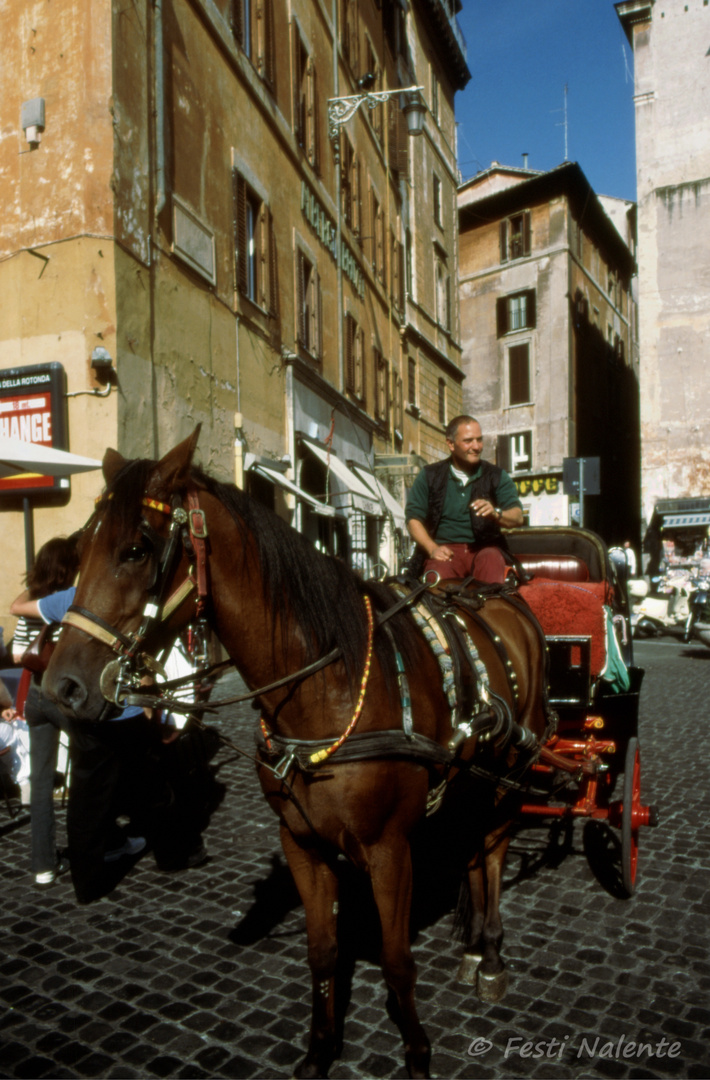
x=317, y=885
x=391, y=874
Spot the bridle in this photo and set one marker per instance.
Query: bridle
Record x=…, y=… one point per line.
x=187, y=533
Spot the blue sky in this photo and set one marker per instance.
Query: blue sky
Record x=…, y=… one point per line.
x=521, y=53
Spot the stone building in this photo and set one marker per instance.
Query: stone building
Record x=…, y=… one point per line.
x=188, y=239
x=547, y=330
x=672, y=96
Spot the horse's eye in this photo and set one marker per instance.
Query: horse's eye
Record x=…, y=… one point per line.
x=135, y=553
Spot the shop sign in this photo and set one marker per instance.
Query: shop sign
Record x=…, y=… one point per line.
x=33, y=409
x=550, y=485
x=325, y=229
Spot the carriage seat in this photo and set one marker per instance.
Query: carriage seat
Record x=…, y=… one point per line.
x=556, y=567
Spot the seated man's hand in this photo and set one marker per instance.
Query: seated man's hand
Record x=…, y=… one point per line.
x=441, y=553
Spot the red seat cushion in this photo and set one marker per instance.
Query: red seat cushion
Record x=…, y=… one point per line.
x=564, y=608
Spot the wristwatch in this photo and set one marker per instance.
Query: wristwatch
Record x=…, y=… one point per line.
x=499, y=513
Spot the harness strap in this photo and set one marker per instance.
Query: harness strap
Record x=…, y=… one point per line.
x=198, y=535
x=96, y=627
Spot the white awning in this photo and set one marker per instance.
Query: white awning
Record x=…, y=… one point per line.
x=679, y=520
x=363, y=498
x=384, y=495
x=288, y=485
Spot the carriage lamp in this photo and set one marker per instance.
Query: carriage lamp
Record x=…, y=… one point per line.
x=342, y=108
x=32, y=120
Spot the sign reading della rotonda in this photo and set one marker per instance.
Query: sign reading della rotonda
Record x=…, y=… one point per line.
x=33, y=409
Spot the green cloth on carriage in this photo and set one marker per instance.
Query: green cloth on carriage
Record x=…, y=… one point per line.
x=615, y=674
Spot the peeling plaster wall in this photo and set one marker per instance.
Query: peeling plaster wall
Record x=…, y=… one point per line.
x=672, y=84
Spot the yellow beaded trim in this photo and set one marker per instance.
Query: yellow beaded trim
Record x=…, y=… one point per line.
x=321, y=755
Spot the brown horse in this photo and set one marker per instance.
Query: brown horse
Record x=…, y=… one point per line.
x=277, y=605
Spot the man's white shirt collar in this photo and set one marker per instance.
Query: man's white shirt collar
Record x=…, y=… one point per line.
x=460, y=475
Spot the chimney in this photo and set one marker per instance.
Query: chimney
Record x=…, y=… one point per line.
x=525, y=161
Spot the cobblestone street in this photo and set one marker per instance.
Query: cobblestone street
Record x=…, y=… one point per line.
x=204, y=974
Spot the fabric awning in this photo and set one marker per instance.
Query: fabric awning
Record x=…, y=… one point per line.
x=293, y=489
x=680, y=520
x=363, y=498
x=391, y=504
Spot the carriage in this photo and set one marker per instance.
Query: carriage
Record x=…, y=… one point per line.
x=591, y=767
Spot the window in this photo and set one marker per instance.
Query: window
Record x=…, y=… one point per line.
x=397, y=403
x=378, y=239
x=519, y=374
x=350, y=185
x=411, y=381
x=309, y=306
x=382, y=387
x=514, y=452
x=253, y=29
x=372, y=67
x=396, y=283
x=306, y=108
x=515, y=312
x=255, y=244
x=515, y=236
x=408, y=262
x=442, y=401
x=354, y=371
x=349, y=39
x=437, y=201
x=443, y=296
x=434, y=97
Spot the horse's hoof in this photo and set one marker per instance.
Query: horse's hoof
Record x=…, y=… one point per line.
x=468, y=968
x=492, y=987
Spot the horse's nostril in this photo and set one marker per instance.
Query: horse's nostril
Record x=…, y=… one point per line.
x=71, y=693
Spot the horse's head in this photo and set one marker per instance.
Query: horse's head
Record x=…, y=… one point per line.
x=132, y=567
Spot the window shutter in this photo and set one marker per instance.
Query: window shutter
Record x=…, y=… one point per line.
x=318, y=304
x=266, y=59
x=527, y=232
x=503, y=233
x=502, y=315
x=530, y=313
x=503, y=452
x=448, y=302
x=240, y=210
x=357, y=203
x=349, y=359
x=273, y=305
x=519, y=374
x=263, y=257
x=301, y=300
x=238, y=21
x=297, y=79
x=312, y=107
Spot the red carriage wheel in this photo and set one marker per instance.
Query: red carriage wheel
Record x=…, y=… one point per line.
x=631, y=816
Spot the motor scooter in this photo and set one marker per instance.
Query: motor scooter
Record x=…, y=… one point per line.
x=666, y=611
x=697, y=625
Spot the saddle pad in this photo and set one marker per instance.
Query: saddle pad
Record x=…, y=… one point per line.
x=575, y=609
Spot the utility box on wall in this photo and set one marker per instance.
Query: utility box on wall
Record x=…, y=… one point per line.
x=33, y=409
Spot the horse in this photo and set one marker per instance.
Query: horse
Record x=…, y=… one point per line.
x=168, y=543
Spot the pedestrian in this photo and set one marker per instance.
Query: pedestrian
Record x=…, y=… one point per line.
x=456, y=509
x=54, y=568
x=101, y=759
x=630, y=556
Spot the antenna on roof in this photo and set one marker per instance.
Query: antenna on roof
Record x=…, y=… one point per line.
x=563, y=123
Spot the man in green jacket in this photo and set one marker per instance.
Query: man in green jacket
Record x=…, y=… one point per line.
x=456, y=509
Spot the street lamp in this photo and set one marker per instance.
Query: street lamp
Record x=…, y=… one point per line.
x=342, y=108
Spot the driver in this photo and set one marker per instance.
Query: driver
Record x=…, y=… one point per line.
x=456, y=509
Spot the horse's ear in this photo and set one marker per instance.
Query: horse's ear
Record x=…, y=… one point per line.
x=172, y=470
x=111, y=465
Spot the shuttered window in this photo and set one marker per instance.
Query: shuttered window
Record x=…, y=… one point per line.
x=515, y=236
x=306, y=101
x=519, y=374
x=382, y=386
x=308, y=302
x=256, y=254
x=253, y=29
x=354, y=371
x=516, y=312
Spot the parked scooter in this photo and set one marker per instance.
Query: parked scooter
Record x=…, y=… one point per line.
x=668, y=610
x=697, y=624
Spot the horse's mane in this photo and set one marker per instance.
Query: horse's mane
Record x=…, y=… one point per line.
x=323, y=595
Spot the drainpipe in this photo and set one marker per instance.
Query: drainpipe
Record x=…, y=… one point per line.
x=159, y=109
x=338, y=242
